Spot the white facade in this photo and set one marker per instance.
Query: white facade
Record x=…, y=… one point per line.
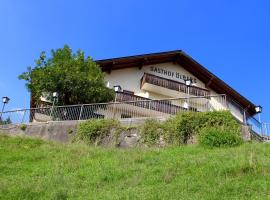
x=130, y=80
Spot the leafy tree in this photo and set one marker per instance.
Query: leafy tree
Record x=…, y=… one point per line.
x=76, y=78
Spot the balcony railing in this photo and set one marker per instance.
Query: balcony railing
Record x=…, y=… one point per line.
x=122, y=96
x=173, y=85
x=163, y=106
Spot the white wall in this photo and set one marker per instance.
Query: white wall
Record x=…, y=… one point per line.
x=129, y=79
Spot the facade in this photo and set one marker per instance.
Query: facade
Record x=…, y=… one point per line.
x=160, y=76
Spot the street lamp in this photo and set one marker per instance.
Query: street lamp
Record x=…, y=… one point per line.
x=55, y=96
x=188, y=83
x=258, y=110
x=117, y=88
x=5, y=100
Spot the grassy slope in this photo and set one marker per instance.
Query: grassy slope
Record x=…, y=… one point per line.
x=32, y=169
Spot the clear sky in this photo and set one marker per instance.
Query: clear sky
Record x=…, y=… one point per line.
x=229, y=37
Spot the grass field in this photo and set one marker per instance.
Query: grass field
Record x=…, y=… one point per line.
x=33, y=169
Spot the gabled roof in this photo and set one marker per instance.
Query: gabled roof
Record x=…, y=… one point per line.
x=187, y=63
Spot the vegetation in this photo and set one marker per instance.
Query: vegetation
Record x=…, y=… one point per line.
x=217, y=137
x=33, y=169
x=77, y=79
x=213, y=128
x=151, y=131
x=92, y=131
x=23, y=127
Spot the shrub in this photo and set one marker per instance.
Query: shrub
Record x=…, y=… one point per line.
x=222, y=119
x=218, y=137
x=151, y=131
x=91, y=130
x=181, y=127
x=23, y=127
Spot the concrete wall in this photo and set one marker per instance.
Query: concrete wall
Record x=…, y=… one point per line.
x=65, y=131
x=54, y=131
x=57, y=131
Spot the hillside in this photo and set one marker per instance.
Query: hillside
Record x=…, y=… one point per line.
x=33, y=169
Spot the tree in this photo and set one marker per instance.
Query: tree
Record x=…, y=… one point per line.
x=78, y=80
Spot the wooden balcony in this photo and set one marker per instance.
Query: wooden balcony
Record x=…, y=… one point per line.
x=172, y=85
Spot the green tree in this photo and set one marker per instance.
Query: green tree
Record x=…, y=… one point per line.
x=76, y=78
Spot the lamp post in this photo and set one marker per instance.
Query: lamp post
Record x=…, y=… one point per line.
x=258, y=110
x=117, y=88
x=5, y=100
x=188, y=83
x=55, y=96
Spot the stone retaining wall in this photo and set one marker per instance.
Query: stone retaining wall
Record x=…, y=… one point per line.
x=64, y=131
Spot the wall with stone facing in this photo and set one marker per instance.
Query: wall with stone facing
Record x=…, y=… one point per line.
x=65, y=131
x=54, y=131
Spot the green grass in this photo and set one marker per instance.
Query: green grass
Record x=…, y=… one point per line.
x=33, y=169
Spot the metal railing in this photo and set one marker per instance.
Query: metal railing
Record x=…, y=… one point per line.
x=241, y=114
x=266, y=131
x=116, y=110
x=123, y=96
x=132, y=106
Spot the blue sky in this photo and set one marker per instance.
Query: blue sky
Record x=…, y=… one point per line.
x=230, y=38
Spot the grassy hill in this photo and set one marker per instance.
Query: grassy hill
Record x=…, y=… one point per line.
x=33, y=169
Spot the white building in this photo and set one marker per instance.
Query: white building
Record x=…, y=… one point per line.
x=158, y=85
x=164, y=76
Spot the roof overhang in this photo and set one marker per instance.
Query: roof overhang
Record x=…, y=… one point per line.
x=188, y=63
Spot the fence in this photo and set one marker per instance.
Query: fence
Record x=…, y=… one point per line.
x=240, y=114
x=133, y=109
x=118, y=110
x=266, y=131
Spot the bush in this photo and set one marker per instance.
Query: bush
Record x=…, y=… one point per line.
x=91, y=130
x=151, y=131
x=181, y=127
x=23, y=127
x=218, y=137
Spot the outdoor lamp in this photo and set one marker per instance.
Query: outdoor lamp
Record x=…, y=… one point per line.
x=188, y=82
x=117, y=88
x=55, y=95
x=5, y=100
x=258, y=109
